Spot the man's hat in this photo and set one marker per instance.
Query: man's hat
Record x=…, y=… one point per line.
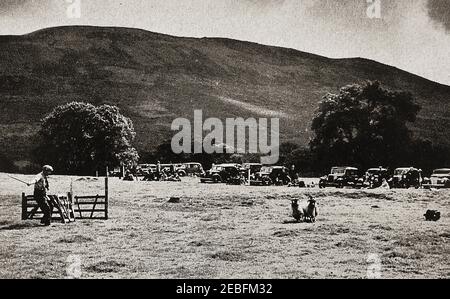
x=47, y=168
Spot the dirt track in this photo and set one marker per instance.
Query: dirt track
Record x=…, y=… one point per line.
x=220, y=231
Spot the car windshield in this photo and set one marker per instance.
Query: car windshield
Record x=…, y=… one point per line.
x=352, y=172
x=338, y=171
x=400, y=171
x=266, y=169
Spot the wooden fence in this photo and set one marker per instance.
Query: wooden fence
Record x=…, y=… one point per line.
x=79, y=207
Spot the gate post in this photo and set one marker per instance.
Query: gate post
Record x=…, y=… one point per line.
x=106, y=199
x=24, y=207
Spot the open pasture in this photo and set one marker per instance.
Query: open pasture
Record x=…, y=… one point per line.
x=220, y=231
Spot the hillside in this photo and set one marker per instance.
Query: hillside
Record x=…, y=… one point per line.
x=156, y=78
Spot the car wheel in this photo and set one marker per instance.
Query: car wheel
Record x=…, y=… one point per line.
x=217, y=179
x=267, y=181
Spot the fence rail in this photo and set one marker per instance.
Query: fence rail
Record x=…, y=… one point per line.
x=82, y=207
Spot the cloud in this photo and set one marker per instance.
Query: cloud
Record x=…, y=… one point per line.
x=439, y=12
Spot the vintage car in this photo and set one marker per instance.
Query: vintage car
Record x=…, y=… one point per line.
x=250, y=170
x=439, y=179
x=143, y=169
x=222, y=173
x=271, y=175
x=406, y=177
x=374, y=177
x=190, y=169
x=341, y=177
x=253, y=167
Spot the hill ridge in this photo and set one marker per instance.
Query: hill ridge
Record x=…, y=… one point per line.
x=155, y=78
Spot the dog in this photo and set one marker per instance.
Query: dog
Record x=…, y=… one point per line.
x=310, y=211
x=298, y=215
x=306, y=214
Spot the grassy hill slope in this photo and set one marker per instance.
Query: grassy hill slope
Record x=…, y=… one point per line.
x=156, y=78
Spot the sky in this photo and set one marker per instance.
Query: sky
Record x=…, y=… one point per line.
x=413, y=35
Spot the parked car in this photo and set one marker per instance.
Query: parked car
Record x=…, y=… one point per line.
x=253, y=167
x=406, y=177
x=439, y=179
x=115, y=172
x=190, y=169
x=144, y=169
x=341, y=177
x=223, y=173
x=374, y=177
x=272, y=175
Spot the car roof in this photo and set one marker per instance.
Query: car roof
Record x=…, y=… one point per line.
x=227, y=165
x=442, y=169
x=345, y=167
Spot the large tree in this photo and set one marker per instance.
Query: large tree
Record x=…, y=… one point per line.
x=364, y=125
x=79, y=138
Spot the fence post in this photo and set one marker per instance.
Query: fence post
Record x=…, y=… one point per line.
x=24, y=207
x=70, y=200
x=106, y=199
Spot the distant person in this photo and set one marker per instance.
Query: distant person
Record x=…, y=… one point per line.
x=158, y=171
x=41, y=187
x=293, y=174
x=385, y=185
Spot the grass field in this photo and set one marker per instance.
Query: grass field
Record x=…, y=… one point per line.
x=220, y=231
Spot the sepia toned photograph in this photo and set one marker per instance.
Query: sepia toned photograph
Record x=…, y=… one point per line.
x=252, y=140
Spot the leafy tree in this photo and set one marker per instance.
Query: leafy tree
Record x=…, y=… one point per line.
x=80, y=138
x=6, y=165
x=364, y=125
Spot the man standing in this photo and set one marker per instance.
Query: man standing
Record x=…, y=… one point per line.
x=41, y=187
x=158, y=171
x=293, y=174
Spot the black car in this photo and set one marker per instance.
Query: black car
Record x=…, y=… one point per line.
x=406, y=177
x=375, y=176
x=223, y=173
x=272, y=175
x=341, y=177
